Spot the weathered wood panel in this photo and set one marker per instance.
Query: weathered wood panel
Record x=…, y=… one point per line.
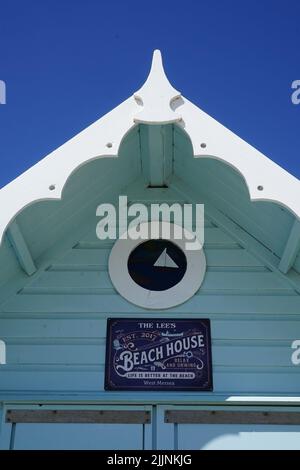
x=78, y=416
x=231, y=417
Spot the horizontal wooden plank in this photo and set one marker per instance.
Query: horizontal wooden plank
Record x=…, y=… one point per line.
x=212, y=236
x=233, y=328
x=60, y=354
x=91, y=379
x=93, y=353
x=226, y=304
x=251, y=355
x=85, y=280
x=79, y=416
x=98, y=257
x=231, y=417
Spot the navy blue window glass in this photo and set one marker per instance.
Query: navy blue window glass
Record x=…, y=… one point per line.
x=157, y=265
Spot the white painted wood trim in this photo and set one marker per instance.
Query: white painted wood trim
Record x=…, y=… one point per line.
x=157, y=102
x=155, y=300
x=46, y=179
x=157, y=96
x=265, y=180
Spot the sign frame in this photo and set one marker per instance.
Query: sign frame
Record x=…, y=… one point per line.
x=133, y=344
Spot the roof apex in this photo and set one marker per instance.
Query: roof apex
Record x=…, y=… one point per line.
x=156, y=96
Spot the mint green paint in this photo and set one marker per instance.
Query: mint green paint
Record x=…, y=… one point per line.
x=20, y=247
x=55, y=326
x=54, y=323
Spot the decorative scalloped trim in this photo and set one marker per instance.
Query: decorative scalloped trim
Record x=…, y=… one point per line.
x=161, y=104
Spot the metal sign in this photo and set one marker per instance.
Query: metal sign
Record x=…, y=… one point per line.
x=158, y=354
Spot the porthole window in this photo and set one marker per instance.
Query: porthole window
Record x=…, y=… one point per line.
x=156, y=273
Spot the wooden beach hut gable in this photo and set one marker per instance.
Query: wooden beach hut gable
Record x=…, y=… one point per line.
x=56, y=293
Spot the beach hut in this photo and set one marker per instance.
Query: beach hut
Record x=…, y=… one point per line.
x=113, y=339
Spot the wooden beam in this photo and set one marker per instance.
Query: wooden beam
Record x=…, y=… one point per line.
x=20, y=248
x=156, y=144
x=232, y=417
x=291, y=248
x=78, y=416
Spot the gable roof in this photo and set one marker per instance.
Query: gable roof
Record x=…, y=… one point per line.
x=158, y=103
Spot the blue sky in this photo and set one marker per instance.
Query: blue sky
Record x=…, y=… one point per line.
x=68, y=62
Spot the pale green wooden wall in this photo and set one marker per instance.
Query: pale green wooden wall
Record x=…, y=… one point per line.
x=55, y=326
x=54, y=323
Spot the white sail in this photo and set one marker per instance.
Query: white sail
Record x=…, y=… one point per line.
x=165, y=261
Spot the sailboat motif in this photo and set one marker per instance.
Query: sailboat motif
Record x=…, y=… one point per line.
x=165, y=261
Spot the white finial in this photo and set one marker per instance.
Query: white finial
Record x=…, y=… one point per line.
x=156, y=96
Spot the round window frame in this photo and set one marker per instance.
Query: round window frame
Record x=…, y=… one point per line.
x=155, y=300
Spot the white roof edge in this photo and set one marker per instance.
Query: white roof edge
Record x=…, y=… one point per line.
x=266, y=181
x=46, y=179
x=157, y=102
